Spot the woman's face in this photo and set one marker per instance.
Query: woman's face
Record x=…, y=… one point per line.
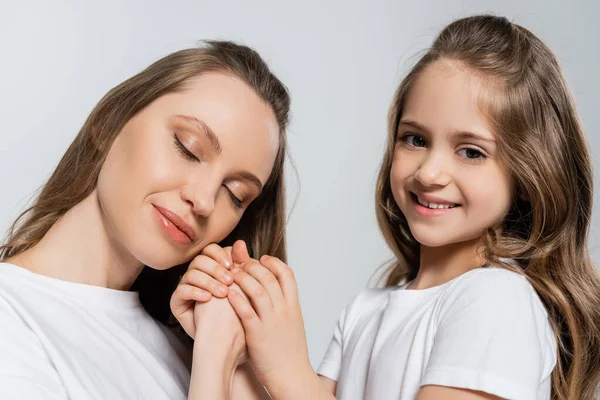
x=183, y=170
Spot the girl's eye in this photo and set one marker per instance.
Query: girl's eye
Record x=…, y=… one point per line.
x=472, y=154
x=185, y=153
x=413, y=140
x=238, y=203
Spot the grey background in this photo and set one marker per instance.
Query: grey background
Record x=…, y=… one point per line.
x=341, y=60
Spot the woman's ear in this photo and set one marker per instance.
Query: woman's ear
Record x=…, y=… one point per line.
x=522, y=194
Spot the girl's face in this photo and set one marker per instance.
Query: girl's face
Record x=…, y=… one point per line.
x=183, y=170
x=446, y=176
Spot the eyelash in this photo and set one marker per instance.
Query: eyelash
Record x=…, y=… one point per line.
x=236, y=202
x=482, y=157
x=188, y=155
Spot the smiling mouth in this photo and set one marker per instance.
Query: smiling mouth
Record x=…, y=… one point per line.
x=432, y=205
x=175, y=226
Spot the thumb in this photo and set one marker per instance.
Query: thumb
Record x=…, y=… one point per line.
x=239, y=253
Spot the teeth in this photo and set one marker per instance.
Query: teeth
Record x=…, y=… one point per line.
x=433, y=205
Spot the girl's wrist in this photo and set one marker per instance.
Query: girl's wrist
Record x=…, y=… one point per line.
x=295, y=384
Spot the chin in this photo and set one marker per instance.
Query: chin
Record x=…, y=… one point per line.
x=440, y=239
x=158, y=256
x=433, y=238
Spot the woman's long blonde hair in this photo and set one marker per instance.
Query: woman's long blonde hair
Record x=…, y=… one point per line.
x=263, y=223
x=546, y=231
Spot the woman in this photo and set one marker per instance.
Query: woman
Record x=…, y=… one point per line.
x=186, y=153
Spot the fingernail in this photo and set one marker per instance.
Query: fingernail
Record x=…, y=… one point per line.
x=228, y=263
x=235, y=270
x=222, y=289
x=227, y=277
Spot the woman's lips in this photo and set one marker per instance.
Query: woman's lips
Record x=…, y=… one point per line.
x=174, y=226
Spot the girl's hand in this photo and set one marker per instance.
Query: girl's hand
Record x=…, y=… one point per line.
x=208, y=275
x=274, y=328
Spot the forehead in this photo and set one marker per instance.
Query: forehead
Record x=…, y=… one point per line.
x=446, y=97
x=244, y=124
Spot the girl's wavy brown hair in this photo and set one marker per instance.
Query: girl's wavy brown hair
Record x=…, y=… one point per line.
x=541, y=139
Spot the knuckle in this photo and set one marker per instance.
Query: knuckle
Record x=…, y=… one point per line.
x=198, y=262
x=289, y=273
x=209, y=249
x=270, y=279
x=258, y=292
x=195, y=276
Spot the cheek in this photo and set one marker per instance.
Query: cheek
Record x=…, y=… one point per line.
x=400, y=173
x=489, y=194
x=143, y=162
x=395, y=173
x=222, y=222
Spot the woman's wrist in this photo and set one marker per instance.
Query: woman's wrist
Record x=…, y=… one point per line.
x=213, y=368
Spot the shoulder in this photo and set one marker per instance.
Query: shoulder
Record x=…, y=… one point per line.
x=494, y=302
x=366, y=302
x=492, y=324
x=492, y=288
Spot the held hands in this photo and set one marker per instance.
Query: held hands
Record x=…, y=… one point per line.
x=208, y=275
x=215, y=327
x=270, y=314
x=272, y=321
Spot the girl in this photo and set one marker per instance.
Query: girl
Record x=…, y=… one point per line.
x=188, y=152
x=484, y=196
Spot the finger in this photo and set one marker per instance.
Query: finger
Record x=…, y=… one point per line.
x=283, y=273
x=243, y=309
x=266, y=278
x=219, y=254
x=239, y=253
x=205, y=282
x=260, y=299
x=212, y=268
x=185, y=296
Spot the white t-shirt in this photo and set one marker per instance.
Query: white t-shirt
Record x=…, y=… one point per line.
x=63, y=340
x=485, y=330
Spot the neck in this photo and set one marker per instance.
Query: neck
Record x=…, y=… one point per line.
x=80, y=248
x=439, y=265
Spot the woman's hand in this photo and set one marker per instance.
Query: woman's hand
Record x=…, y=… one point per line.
x=219, y=347
x=274, y=328
x=219, y=339
x=219, y=331
x=208, y=275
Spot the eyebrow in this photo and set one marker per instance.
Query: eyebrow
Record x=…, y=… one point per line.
x=205, y=129
x=214, y=142
x=252, y=179
x=460, y=134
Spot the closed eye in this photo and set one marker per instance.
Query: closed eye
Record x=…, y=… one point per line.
x=185, y=153
x=237, y=202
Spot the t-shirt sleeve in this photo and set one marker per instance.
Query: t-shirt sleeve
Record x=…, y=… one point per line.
x=332, y=362
x=25, y=370
x=493, y=336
